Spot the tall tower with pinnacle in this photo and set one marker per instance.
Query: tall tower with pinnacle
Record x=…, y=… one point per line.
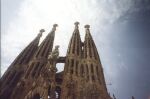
x=72, y=66
x=33, y=74
x=17, y=69
x=83, y=73
x=33, y=80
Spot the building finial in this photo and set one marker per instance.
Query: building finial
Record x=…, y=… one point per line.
x=54, y=27
x=76, y=24
x=87, y=26
x=87, y=30
x=41, y=32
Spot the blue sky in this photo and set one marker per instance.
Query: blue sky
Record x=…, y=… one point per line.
x=120, y=29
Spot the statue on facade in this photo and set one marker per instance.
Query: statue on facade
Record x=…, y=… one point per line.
x=52, y=59
x=54, y=54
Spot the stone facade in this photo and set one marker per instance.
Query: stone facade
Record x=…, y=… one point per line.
x=33, y=74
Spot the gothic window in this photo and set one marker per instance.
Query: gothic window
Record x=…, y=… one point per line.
x=92, y=70
x=97, y=71
x=82, y=70
x=72, y=65
x=87, y=69
x=77, y=67
x=72, y=61
x=87, y=72
x=93, y=78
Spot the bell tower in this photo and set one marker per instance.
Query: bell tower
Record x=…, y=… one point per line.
x=83, y=73
x=92, y=69
x=72, y=66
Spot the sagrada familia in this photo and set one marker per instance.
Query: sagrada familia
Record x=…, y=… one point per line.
x=33, y=74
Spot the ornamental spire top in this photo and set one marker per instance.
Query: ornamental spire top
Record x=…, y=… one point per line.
x=76, y=24
x=87, y=26
x=41, y=32
x=54, y=27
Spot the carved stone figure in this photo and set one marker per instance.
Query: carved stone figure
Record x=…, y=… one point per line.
x=54, y=54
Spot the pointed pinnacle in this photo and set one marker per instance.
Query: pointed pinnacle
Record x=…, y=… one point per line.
x=76, y=24
x=87, y=26
x=54, y=27
x=41, y=32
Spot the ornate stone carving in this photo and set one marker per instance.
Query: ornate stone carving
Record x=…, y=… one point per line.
x=54, y=54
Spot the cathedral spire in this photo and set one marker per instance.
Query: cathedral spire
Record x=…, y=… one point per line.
x=72, y=65
x=24, y=57
x=75, y=43
x=27, y=53
x=74, y=51
x=82, y=78
x=90, y=50
x=47, y=45
x=92, y=65
x=16, y=69
x=41, y=55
